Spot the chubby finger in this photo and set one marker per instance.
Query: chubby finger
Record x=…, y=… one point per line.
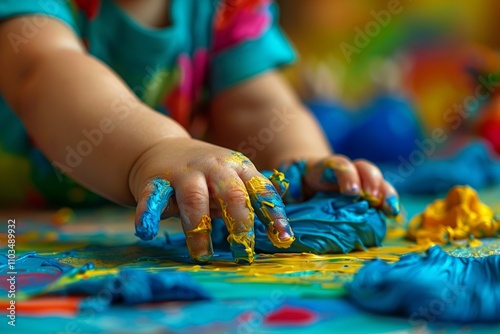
x=270, y=209
x=390, y=205
x=371, y=182
x=237, y=213
x=334, y=173
x=194, y=211
x=150, y=206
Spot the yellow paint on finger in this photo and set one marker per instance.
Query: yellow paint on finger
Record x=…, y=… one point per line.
x=245, y=238
x=256, y=188
x=204, y=225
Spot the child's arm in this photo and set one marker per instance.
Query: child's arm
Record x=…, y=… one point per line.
x=60, y=92
x=264, y=119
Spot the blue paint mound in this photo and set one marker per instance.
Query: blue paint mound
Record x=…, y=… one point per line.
x=435, y=287
x=135, y=286
x=325, y=224
x=474, y=165
x=380, y=131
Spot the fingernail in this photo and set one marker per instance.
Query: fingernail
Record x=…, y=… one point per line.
x=350, y=189
x=393, y=205
x=199, y=242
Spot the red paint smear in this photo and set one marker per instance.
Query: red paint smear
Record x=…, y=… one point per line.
x=60, y=306
x=290, y=315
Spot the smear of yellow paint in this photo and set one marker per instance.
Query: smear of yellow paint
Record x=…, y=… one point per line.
x=204, y=225
x=242, y=237
x=460, y=216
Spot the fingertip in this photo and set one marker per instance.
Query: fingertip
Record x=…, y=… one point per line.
x=392, y=206
x=150, y=207
x=270, y=209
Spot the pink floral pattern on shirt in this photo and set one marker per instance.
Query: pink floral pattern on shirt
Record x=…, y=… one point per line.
x=240, y=20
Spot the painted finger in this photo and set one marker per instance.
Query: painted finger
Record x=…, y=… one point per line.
x=336, y=173
x=390, y=205
x=371, y=182
x=237, y=213
x=194, y=209
x=150, y=206
x=270, y=209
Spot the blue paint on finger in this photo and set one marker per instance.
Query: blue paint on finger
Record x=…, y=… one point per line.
x=392, y=206
x=329, y=175
x=155, y=205
x=270, y=209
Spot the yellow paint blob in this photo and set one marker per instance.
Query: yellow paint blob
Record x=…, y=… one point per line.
x=204, y=225
x=460, y=216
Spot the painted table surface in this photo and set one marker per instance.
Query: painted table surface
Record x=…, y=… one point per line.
x=260, y=298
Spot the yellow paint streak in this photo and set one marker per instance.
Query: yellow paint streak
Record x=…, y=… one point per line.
x=305, y=268
x=374, y=201
x=204, y=225
x=255, y=186
x=240, y=237
x=460, y=216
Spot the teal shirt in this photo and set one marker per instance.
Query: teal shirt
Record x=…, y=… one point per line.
x=208, y=47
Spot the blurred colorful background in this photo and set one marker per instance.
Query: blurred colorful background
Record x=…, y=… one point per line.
x=392, y=72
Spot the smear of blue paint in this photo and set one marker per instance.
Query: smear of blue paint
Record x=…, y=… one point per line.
x=135, y=286
x=155, y=204
x=435, y=287
x=294, y=173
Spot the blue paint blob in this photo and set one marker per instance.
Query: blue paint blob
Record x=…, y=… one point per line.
x=380, y=131
x=135, y=286
x=326, y=223
x=156, y=203
x=474, y=165
x=294, y=173
x=455, y=289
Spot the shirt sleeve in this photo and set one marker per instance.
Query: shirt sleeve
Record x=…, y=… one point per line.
x=58, y=9
x=247, y=41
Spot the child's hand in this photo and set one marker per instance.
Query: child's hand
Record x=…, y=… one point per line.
x=338, y=173
x=208, y=181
